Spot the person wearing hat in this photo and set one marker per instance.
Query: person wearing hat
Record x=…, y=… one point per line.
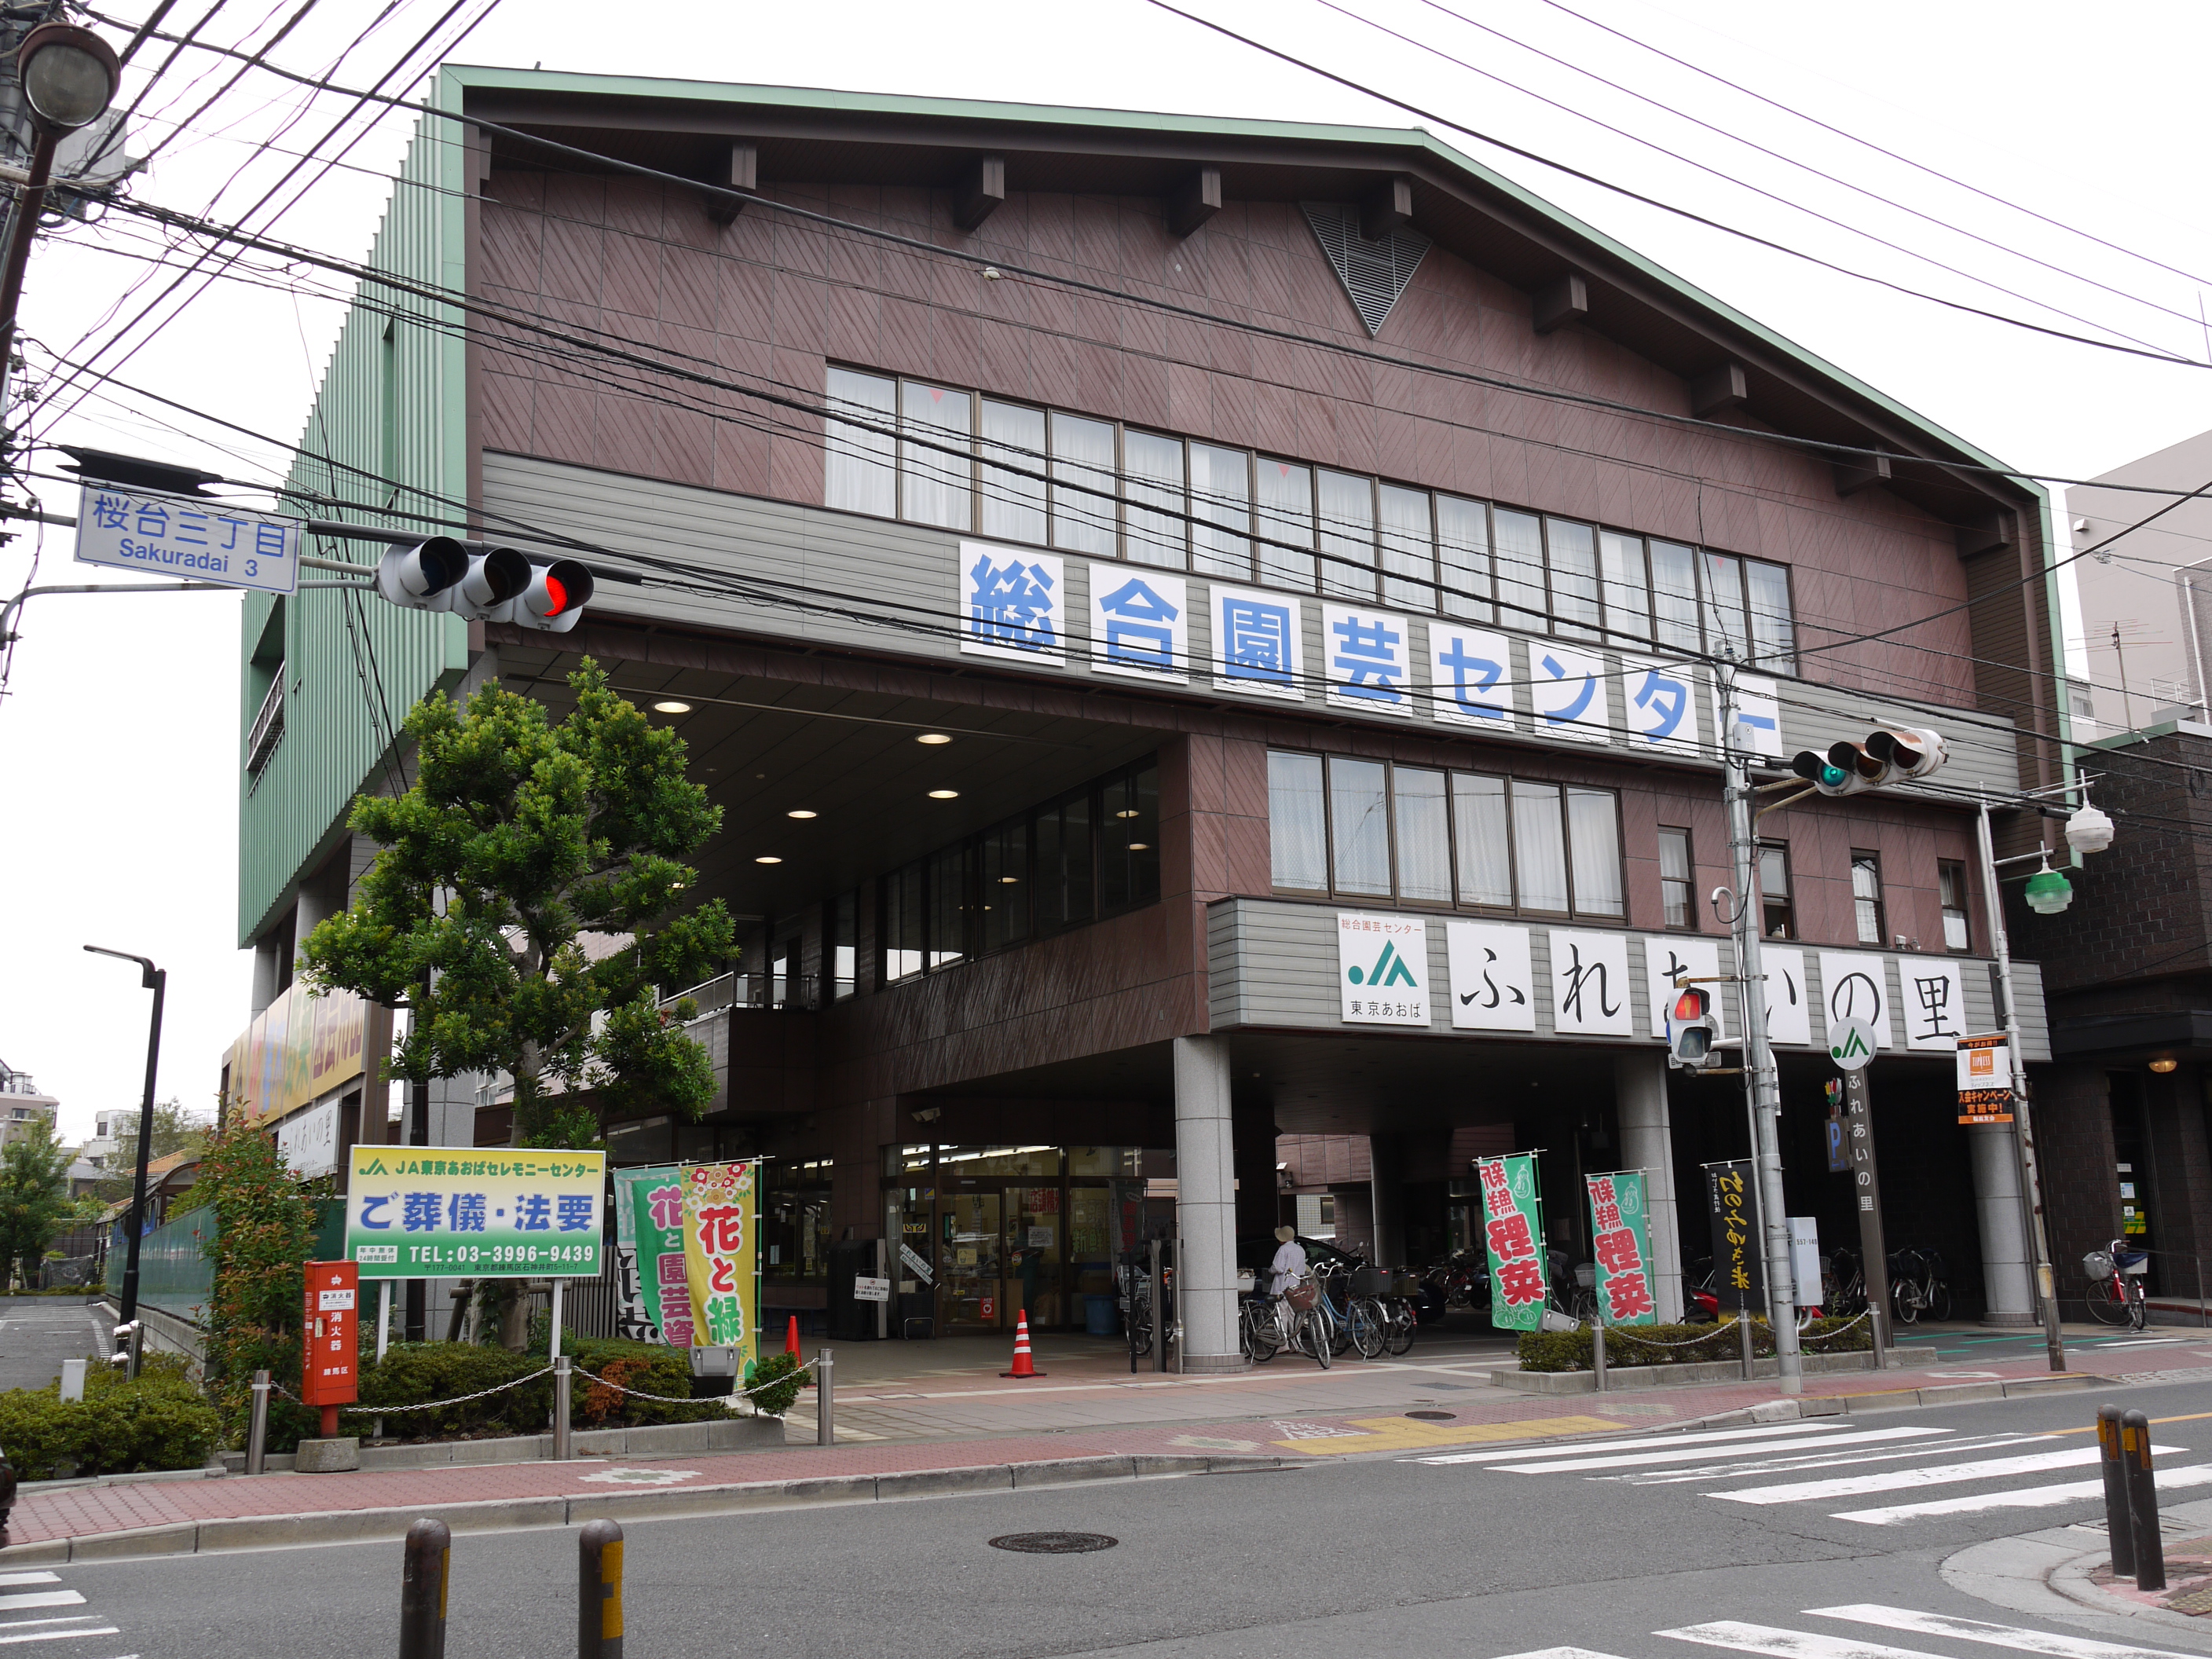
x=1288, y=1266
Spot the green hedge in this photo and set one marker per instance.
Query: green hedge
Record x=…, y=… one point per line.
x=160, y=1421
x=411, y=1372
x=1569, y=1351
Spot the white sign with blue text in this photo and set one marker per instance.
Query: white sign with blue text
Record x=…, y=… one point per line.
x=1259, y=643
x=1368, y=659
x=1662, y=700
x=1567, y=690
x=1758, y=729
x=1382, y=969
x=1013, y=603
x=1471, y=676
x=188, y=536
x=1139, y=623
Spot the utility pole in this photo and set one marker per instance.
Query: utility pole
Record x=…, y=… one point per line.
x=1760, y=1081
x=2032, y=1225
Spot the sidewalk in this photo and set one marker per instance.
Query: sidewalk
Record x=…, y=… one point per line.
x=1087, y=1419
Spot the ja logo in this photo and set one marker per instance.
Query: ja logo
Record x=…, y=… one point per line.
x=1389, y=968
x=1851, y=1043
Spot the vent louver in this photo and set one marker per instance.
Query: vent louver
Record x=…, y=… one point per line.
x=1374, y=274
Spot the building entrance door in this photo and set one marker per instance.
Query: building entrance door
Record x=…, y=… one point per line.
x=1036, y=1247
x=972, y=1258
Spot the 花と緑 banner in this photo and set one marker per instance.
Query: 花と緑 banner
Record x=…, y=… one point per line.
x=1513, y=1226
x=720, y=1208
x=656, y=1286
x=1620, y=1240
x=474, y=1213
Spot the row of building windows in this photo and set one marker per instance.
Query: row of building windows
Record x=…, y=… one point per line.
x=1091, y=853
x=961, y=461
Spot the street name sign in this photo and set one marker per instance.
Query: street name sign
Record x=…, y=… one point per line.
x=193, y=537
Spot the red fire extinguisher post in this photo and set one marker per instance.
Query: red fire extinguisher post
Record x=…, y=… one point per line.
x=328, y=1377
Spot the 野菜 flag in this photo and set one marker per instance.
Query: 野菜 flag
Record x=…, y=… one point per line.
x=1620, y=1240
x=1513, y=1228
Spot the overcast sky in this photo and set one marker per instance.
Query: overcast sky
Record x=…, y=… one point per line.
x=119, y=735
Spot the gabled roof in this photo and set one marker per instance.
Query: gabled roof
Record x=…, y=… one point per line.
x=815, y=134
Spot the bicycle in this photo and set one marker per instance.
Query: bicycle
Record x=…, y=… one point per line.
x=1917, y=1286
x=1367, y=1315
x=1259, y=1331
x=1336, y=1321
x=1847, y=1289
x=2115, y=1292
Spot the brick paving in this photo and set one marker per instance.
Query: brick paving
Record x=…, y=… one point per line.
x=1352, y=1409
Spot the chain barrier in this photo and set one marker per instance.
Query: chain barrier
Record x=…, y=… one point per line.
x=1864, y=1313
x=1625, y=1335
x=806, y=1381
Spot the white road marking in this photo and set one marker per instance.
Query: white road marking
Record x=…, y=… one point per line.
x=1806, y=1460
x=2002, y=1635
x=1572, y=1447
x=1693, y=1452
x=1559, y=1653
x=1938, y=1475
x=60, y=1635
x=1786, y=1644
x=2031, y=1498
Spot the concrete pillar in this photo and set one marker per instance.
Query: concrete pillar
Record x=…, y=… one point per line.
x=1647, y=1143
x=2005, y=1284
x=1385, y=1178
x=1206, y=1206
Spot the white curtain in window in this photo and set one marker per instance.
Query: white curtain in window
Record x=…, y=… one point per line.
x=860, y=475
x=1520, y=538
x=1153, y=530
x=1627, y=596
x=1571, y=551
x=1347, y=534
x=1463, y=551
x=1483, y=839
x=1286, y=523
x=1540, y=847
x=1297, y=830
x=1725, y=617
x=1221, y=511
x=1409, y=559
x=936, y=469
x=1674, y=595
x=1423, y=835
x=1594, y=841
x=1360, y=826
x=1013, y=495
x=1082, y=511
x=1772, y=637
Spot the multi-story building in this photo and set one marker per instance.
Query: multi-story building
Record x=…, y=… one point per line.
x=2146, y=592
x=1204, y=632
x=22, y=1106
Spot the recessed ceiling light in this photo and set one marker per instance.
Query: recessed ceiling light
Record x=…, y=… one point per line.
x=801, y=813
x=945, y=794
x=1128, y=812
x=671, y=707
x=932, y=737
x=766, y=858
x=1008, y=881
x=1140, y=846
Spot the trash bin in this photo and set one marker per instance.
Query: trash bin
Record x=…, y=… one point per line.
x=1099, y=1316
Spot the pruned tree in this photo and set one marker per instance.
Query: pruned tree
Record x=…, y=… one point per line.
x=35, y=1199
x=519, y=838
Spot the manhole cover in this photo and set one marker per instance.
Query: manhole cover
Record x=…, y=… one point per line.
x=1433, y=1417
x=1054, y=1543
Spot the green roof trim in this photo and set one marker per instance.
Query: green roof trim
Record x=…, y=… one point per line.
x=457, y=80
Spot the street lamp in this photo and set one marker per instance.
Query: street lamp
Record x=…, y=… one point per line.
x=68, y=76
x=155, y=980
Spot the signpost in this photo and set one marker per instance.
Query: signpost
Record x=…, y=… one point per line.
x=1513, y=1226
x=1850, y=1045
x=190, y=535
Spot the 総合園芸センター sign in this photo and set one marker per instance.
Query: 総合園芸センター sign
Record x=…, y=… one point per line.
x=474, y=1212
x=192, y=537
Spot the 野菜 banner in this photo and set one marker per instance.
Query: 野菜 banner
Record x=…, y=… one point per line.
x=474, y=1212
x=1620, y=1240
x=1513, y=1227
x=721, y=1252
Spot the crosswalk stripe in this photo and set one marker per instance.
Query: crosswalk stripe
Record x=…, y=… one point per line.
x=1692, y=1453
x=1857, y=1456
x=1938, y=1475
x=1787, y=1643
x=1575, y=1447
x=1559, y=1653
x=61, y=1598
x=2002, y=1636
x=2030, y=1498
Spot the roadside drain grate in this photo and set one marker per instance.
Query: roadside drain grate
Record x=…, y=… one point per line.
x=1433, y=1417
x=1054, y=1543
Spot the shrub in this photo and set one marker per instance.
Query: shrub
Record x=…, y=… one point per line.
x=650, y=1367
x=415, y=1372
x=158, y=1422
x=266, y=1226
x=1569, y=1351
x=775, y=1402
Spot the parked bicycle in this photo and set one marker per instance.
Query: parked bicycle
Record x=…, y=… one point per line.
x=1847, y=1288
x=2116, y=1289
x=1137, y=1321
x=1917, y=1286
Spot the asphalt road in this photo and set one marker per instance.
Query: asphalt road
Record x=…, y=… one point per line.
x=37, y=1333
x=1615, y=1551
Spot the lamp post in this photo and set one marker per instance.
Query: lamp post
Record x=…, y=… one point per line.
x=155, y=980
x=68, y=76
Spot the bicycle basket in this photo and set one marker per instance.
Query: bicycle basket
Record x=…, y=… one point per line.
x=1302, y=1297
x=1405, y=1282
x=2098, y=1265
x=1371, y=1281
x=1586, y=1274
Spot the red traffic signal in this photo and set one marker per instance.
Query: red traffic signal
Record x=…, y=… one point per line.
x=1691, y=1003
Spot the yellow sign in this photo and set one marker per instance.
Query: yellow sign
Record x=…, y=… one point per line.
x=300, y=1047
x=721, y=1245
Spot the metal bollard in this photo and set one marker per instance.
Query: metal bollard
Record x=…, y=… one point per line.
x=428, y=1557
x=1743, y=1335
x=2142, y=1501
x=826, y=1399
x=598, y=1590
x=257, y=1431
x=563, y=1448
x=1597, y=1352
x=2120, y=1526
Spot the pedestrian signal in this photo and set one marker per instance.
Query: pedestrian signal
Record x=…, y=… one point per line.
x=1690, y=1030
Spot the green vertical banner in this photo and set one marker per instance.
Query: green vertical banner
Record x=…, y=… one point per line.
x=649, y=1206
x=1513, y=1226
x=1620, y=1239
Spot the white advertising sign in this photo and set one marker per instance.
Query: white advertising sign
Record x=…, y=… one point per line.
x=1856, y=987
x=1492, y=989
x=308, y=1141
x=1935, y=1002
x=1470, y=677
x=1382, y=969
x=1757, y=717
x=1013, y=603
x=1368, y=659
x=1259, y=643
x=871, y=1290
x=1567, y=690
x=192, y=537
x=1590, y=984
x=1789, y=1005
x=1662, y=700
x=1139, y=623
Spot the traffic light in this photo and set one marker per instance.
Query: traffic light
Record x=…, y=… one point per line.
x=497, y=585
x=1690, y=1030
x=1888, y=755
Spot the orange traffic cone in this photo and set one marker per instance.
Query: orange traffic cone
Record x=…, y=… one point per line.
x=791, y=1337
x=1024, y=1366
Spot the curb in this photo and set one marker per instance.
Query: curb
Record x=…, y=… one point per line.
x=1892, y=1400
x=500, y=1515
